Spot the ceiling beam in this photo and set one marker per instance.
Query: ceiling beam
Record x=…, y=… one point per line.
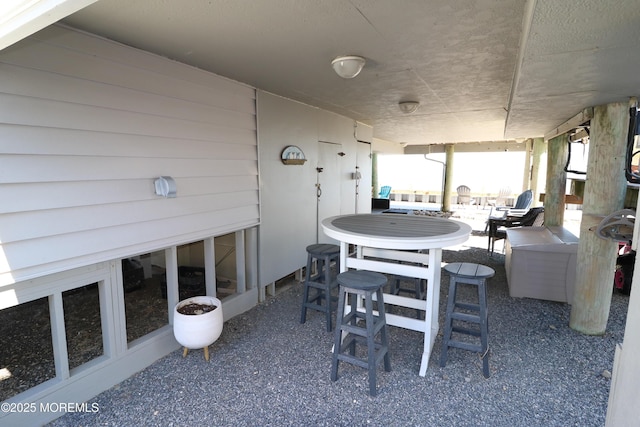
x=469, y=147
x=527, y=19
x=576, y=121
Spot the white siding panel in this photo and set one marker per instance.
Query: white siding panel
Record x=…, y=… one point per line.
x=49, y=113
x=79, y=142
x=26, y=82
x=25, y=197
x=63, y=221
x=121, y=66
x=88, y=244
x=86, y=125
x=22, y=168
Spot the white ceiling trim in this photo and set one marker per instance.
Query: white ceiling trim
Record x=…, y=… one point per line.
x=21, y=18
x=527, y=18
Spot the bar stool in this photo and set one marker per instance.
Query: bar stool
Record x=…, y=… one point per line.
x=353, y=285
x=476, y=275
x=418, y=290
x=323, y=281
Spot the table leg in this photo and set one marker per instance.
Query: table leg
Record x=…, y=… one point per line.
x=433, y=302
x=344, y=254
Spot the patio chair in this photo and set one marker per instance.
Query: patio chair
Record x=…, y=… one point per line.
x=464, y=195
x=385, y=191
x=498, y=226
x=523, y=203
x=501, y=199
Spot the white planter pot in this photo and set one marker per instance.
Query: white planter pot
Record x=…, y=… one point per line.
x=198, y=330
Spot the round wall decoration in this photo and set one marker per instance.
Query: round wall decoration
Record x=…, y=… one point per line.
x=292, y=155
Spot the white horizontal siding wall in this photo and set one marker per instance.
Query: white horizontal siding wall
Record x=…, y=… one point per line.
x=86, y=125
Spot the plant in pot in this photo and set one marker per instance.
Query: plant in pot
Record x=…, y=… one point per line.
x=197, y=323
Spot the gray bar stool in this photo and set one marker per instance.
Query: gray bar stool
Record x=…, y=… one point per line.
x=355, y=284
x=323, y=282
x=475, y=275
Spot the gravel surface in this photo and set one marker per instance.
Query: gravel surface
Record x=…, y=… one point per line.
x=267, y=369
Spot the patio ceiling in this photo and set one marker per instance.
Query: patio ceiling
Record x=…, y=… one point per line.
x=484, y=70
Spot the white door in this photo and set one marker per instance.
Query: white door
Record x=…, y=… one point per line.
x=327, y=185
x=363, y=178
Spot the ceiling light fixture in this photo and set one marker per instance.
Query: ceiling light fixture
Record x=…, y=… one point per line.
x=408, y=107
x=348, y=67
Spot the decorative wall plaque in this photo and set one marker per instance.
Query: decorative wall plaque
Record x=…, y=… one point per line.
x=292, y=155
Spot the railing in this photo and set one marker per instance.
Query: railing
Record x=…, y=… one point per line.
x=416, y=196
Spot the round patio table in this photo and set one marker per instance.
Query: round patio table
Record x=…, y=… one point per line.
x=403, y=245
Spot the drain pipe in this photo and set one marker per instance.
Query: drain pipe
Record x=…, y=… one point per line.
x=444, y=176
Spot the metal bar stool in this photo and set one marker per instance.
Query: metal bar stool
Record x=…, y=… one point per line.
x=475, y=275
x=353, y=285
x=323, y=281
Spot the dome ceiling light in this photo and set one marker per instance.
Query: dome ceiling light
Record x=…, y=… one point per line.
x=348, y=67
x=408, y=107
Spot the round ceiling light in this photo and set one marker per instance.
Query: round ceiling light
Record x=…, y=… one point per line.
x=408, y=107
x=348, y=67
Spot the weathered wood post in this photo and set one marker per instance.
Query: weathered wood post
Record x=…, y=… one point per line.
x=539, y=149
x=374, y=175
x=557, y=149
x=603, y=194
x=448, y=178
x=526, y=178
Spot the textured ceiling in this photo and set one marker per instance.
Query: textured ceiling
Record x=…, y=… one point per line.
x=482, y=70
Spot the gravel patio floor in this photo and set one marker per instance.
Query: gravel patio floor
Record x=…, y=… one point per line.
x=267, y=369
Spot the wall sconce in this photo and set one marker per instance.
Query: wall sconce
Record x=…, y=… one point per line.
x=165, y=186
x=348, y=67
x=408, y=107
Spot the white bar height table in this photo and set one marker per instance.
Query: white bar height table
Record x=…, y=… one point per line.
x=382, y=240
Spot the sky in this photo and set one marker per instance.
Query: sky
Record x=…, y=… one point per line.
x=482, y=172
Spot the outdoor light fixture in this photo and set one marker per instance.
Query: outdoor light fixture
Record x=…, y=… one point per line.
x=408, y=107
x=165, y=186
x=348, y=67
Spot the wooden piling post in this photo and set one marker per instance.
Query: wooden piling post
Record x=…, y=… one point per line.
x=526, y=178
x=448, y=177
x=604, y=193
x=554, y=202
x=374, y=176
x=539, y=149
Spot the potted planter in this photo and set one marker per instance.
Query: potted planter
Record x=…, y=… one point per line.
x=197, y=323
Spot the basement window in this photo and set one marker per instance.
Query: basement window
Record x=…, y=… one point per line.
x=144, y=285
x=83, y=325
x=26, y=353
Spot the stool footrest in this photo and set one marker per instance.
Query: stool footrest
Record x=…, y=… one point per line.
x=363, y=363
x=465, y=346
x=467, y=306
x=465, y=317
x=467, y=331
x=320, y=285
x=379, y=349
x=360, y=331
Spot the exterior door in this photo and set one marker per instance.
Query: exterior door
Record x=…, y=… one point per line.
x=327, y=185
